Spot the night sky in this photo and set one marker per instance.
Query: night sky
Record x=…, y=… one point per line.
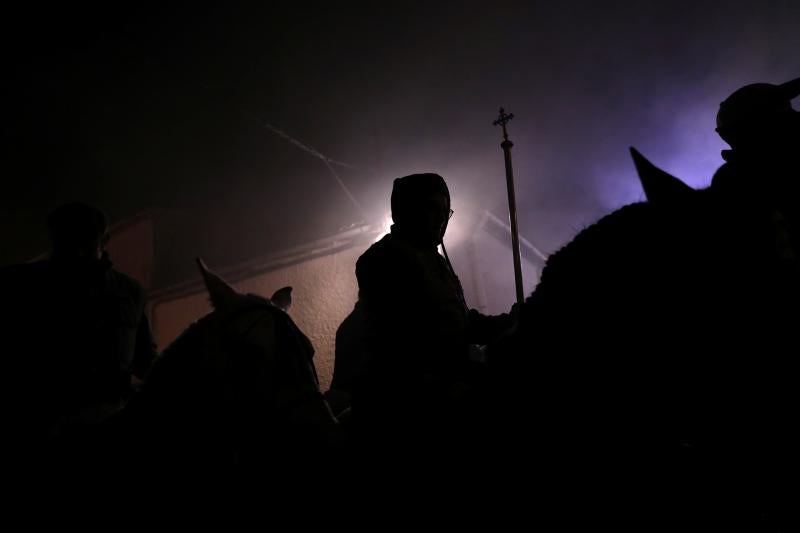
x=133, y=107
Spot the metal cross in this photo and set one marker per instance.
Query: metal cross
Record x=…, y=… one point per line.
x=502, y=120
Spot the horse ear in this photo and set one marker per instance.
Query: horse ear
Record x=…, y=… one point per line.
x=220, y=293
x=282, y=298
x=659, y=187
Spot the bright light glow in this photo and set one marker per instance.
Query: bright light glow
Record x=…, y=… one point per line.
x=386, y=227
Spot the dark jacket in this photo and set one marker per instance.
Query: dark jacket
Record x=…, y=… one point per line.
x=418, y=330
x=75, y=336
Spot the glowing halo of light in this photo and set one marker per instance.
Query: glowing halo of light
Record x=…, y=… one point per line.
x=384, y=227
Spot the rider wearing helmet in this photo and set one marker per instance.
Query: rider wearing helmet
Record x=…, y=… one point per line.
x=763, y=131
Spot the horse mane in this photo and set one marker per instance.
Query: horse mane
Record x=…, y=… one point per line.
x=172, y=361
x=597, y=235
x=596, y=254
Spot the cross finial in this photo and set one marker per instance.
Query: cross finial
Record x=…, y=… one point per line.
x=502, y=120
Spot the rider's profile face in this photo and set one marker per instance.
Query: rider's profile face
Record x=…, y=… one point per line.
x=434, y=212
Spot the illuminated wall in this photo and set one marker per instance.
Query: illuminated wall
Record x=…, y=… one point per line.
x=131, y=249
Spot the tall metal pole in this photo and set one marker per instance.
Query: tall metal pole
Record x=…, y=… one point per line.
x=506, y=145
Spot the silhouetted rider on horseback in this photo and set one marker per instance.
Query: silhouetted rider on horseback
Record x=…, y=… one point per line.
x=418, y=326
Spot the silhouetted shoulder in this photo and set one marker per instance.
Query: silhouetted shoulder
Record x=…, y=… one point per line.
x=387, y=269
x=383, y=254
x=125, y=287
x=377, y=252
